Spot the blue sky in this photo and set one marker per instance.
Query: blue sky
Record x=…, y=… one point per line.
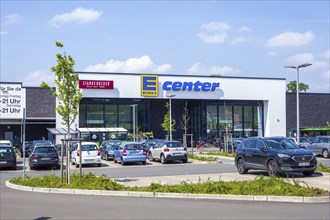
x=230, y=38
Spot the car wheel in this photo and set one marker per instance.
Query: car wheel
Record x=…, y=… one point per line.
x=150, y=157
x=241, y=166
x=122, y=162
x=31, y=168
x=106, y=157
x=99, y=164
x=162, y=159
x=325, y=153
x=13, y=167
x=144, y=162
x=308, y=173
x=185, y=160
x=58, y=167
x=114, y=160
x=272, y=168
x=77, y=165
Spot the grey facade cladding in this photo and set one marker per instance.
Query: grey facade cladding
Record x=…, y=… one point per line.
x=314, y=109
x=40, y=103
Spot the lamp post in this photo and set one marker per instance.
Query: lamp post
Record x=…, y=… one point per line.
x=134, y=126
x=297, y=88
x=171, y=96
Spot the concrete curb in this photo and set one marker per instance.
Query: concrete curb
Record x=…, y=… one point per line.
x=295, y=199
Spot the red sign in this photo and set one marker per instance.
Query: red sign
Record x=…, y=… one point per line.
x=95, y=84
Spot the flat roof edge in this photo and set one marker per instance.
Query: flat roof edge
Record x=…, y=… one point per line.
x=180, y=75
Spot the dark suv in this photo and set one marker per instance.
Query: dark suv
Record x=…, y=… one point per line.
x=276, y=155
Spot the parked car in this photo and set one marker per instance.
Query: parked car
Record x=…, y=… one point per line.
x=44, y=156
x=168, y=151
x=90, y=154
x=150, y=143
x=28, y=147
x=130, y=152
x=276, y=155
x=59, y=149
x=40, y=142
x=7, y=157
x=6, y=142
x=107, y=149
x=320, y=145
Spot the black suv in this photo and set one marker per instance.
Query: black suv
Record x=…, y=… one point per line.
x=276, y=155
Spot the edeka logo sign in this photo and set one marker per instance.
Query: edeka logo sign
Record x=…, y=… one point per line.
x=149, y=85
x=190, y=86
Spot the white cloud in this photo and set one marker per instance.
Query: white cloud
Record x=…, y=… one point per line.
x=12, y=19
x=272, y=53
x=325, y=55
x=197, y=68
x=239, y=40
x=214, y=37
x=320, y=88
x=300, y=58
x=77, y=16
x=37, y=77
x=215, y=26
x=2, y=33
x=290, y=39
x=131, y=65
x=244, y=29
x=214, y=32
x=306, y=58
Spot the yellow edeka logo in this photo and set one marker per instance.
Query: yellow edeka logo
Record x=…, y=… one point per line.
x=149, y=85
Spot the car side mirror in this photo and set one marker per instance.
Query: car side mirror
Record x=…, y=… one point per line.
x=263, y=149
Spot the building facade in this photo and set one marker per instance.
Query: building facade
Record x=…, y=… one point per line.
x=240, y=106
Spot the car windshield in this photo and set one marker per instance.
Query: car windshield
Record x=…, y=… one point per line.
x=6, y=150
x=133, y=147
x=90, y=147
x=44, y=150
x=173, y=144
x=281, y=144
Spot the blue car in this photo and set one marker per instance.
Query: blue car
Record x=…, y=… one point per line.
x=130, y=152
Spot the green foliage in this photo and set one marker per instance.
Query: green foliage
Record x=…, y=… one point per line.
x=88, y=181
x=166, y=123
x=201, y=158
x=219, y=154
x=322, y=168
x=259, y=186
x=67, y=91
x=292, y=87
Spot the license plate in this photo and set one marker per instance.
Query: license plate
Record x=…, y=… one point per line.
x=89, y=160
x=304, y=164
x=176, y=153
x=3, y=162
x=46, y=158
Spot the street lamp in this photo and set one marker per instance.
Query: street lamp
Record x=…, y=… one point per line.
x=297, y=88
x=134, y=126
x=171, y=96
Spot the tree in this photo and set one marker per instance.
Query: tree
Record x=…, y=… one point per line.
x=166, y=123
x=292, y=87
x=67, y=91
x=185, y=118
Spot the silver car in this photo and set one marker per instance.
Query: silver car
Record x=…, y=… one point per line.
x=320, y=145
x=168, y=150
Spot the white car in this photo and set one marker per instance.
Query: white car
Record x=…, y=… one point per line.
x=90, y=154
x=168, y=150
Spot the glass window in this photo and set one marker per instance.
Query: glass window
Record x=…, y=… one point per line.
x=124, y=116
x=95, y=115
x=238, y=121
x=212, y=121
x=250, y=144
x=110, y=116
